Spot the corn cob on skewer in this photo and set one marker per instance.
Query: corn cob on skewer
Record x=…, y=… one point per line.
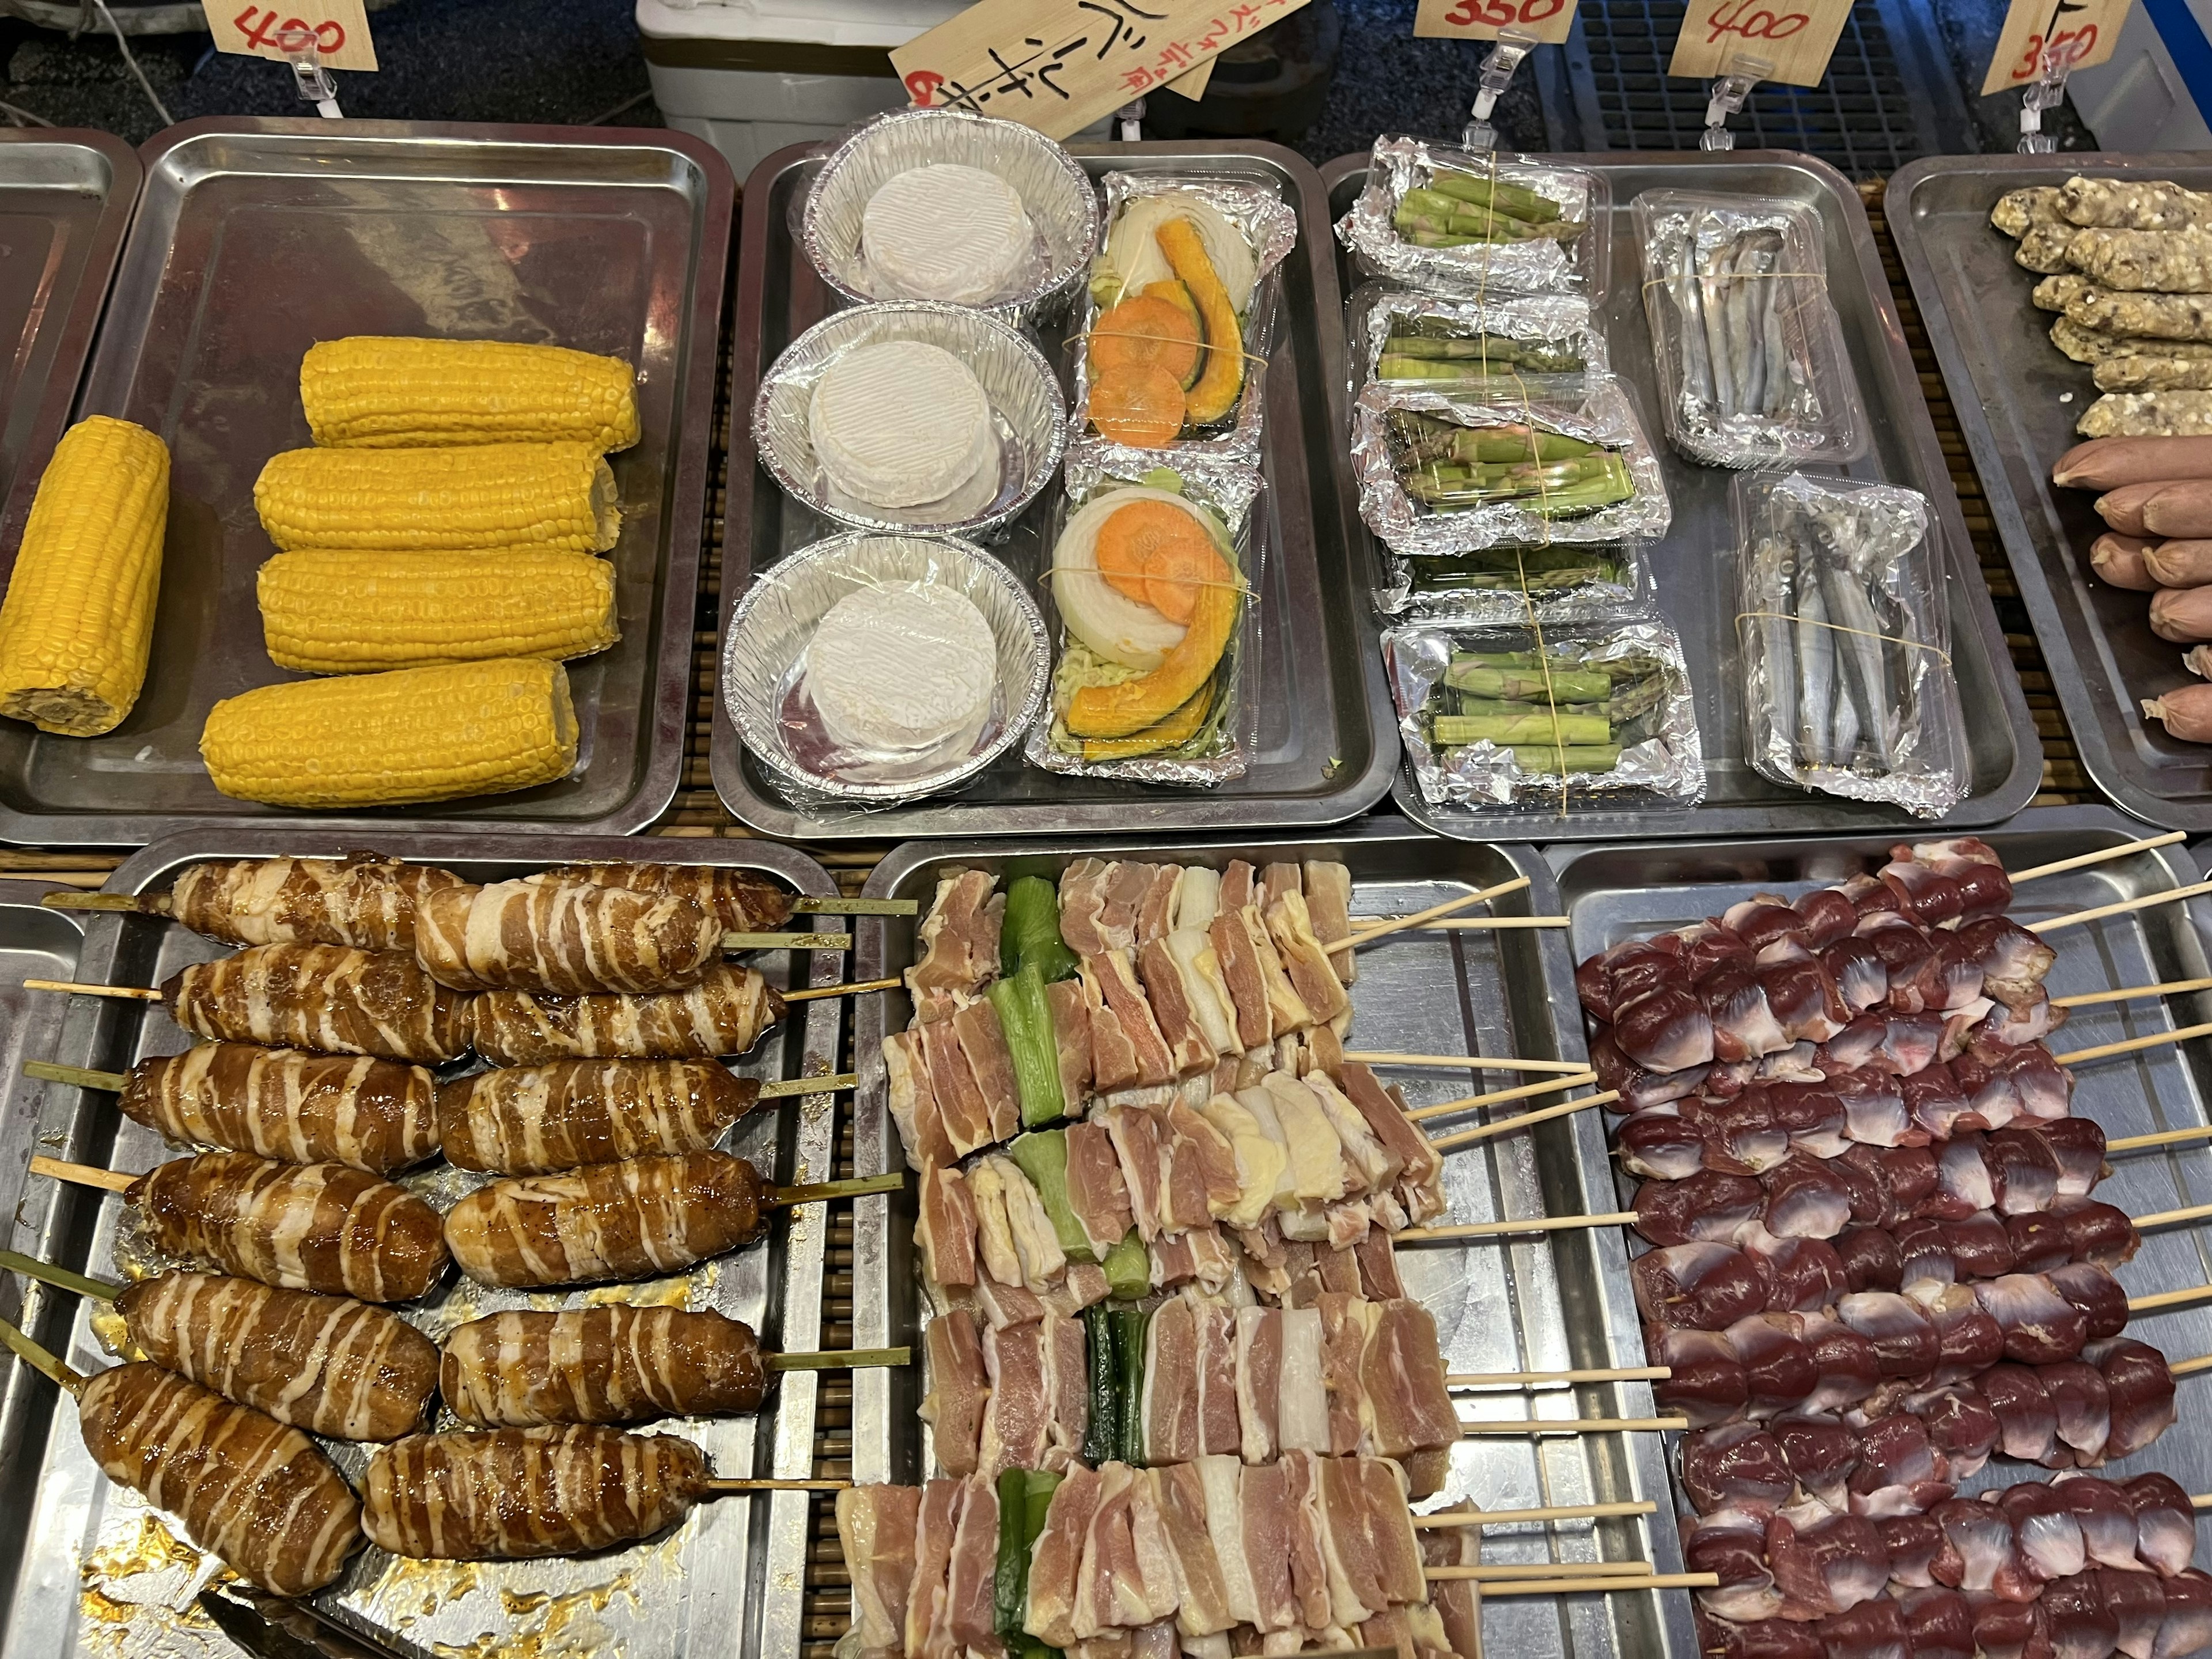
x=79, y=615
x=411, y=734
x=329, y=610
x=559, y=496
x=389, y=391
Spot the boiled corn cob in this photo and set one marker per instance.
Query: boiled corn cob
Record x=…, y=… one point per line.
x=412, y=734
x=560, y=496
x=79, y=615
x=385, y=392
x=329, y=610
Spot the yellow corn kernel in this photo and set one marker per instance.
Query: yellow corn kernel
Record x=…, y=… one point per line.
x=375, y=391
x=412, y=734
x=79, y=616
x=337, y=611
x=560, y=496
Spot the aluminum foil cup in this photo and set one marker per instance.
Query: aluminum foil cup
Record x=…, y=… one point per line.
x=1054, y=189
x=764, y=666
x=1026, y=411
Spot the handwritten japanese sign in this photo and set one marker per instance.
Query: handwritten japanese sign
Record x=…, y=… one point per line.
x=1480, y=20
x=1797, y=37
x=341, y=29
x=2087, y=31
x=1058, y=66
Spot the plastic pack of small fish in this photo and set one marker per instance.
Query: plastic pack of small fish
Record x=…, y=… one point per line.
x=1848, y=686
x=1461, y=222
x=1588, y=714
x=1752, y=369
x=1407, y=337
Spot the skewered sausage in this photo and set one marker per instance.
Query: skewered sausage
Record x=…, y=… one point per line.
x=328, y=996
x=564, y=940
x=302, y=1226
x=724, y=1014
x=376, y=1115
x=635, y=1219
x=362, y=900
x=740, y=901
x=325, y=1364
x=534, y=1120
x=514, y=1493
x=613, y=1364
x=252, y=1490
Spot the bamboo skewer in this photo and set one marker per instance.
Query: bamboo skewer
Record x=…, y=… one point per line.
x=2134, y=1045
x=1375, y=930
x=2144, y=902
x=1586, y=1586
x=1577, y=1426
x=2172, y=987
x=45, y=1363
x=2159, y=1137
x=1550, y=1085
x=1469, y=1062
x=1534, y=1224
x=854, y=989
x=787, y=941
x=1471, y=924
x=81, y=1175
x=725, y=1483
x=2190, y=1368
x=1551, y=1512
x=1518, y=1120
x=1511, y=1572
x=2167, y=1217
x=129, y=993
x=2179, y=1298
x=114, y=1082
x=1528, y=1379
x=2103, y=855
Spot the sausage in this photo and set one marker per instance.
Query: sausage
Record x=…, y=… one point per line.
x=249, y=1489
x=374, y=1114
x=534, y=1120
x=636, y=1219
x=2179, y=509
x=2110, y=463
x=724, y=1014
x=325, y=1364
x=612, y=1364
x=363, y=900
x=514, y=1493
x=742, y=902
x=2119, y=560
x=564, y=941
x=2178, y=564
x=2122, y=508
x=302, y=1226
x=327, y=997
x=2182, y=614
x=2186, y=711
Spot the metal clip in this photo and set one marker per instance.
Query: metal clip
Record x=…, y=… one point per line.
x=2046, y=91
x=1744, y=72
x=1513, y=45
x=1131, y=115
x=298, y=45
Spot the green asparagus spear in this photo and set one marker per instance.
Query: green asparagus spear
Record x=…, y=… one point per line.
x=1529, y=684
x=1516, y=199
x=1503, y=708
x=1536, y=725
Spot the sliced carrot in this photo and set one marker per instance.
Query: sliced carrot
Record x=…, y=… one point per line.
x=1177, y=295
x=1146, y=331
x=1159, y=554
x=1141, y=406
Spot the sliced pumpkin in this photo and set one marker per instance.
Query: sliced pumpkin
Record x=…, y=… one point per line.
x=1124, y=710
x=1147, y=332
x=1221, y=376
x=1177, y=730
x=1142, y=407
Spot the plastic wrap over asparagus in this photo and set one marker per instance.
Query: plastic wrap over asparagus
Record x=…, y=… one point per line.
x=1408, y=338
x=1848, y=685
x=1752, y=370
x=1599, y=714
x=1455, y=222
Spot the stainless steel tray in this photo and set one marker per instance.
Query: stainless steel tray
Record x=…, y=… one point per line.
x=1329, y=742
x=1611, y=893
x=2018, y=396
x=255, y=239
x=1560, y=1299
x=728, y=1581
x=1694, y=566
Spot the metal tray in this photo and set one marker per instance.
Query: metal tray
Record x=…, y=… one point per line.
x=1560, y=1299
x=727, y=1581
x=1611, y=893
x=1328, y=741
x=2018, y=396
x=1694, y=565
x=257, y=238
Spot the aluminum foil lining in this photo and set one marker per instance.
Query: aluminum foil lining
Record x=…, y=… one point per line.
x=764, y=668
x=1459, y=344
x=1564, y=582
x=1753, y=369
x=1441, y=673
x=1540, y=265
x=1848, y=684
x=1391, y=469
x=1062, y=206
x=1221, y=748
x=1027, y=416
x=1270, y=226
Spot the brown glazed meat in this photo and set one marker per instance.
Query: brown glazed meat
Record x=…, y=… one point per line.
x=514, y=1493
x=564, y=940
x=285, y=1104
x=326, y=1363
x=613, y=1364
x=533, y=1119
x=741, y=902
x=327, y=996
x=257, y=1493
x=300, y=1226
x=639, y=1219
x=361, y=900
x=724, y=1014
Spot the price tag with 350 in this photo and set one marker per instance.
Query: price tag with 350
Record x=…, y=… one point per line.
x=1797, y=37
x=1480, y=20
x=2084, y=32
x=340, y=29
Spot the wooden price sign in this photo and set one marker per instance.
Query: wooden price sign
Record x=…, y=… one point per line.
x=1797, y=37
x=2086, y=31
x=1058, y=66
x=1548, y=20
x=340, y=27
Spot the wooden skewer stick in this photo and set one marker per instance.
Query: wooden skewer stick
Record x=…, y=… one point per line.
x=1550, y=1085
x=1577, y=1426
x=2167, y=1217
x=1469, y=1062
x=1551, y=1512
x=2133, y=1045
x=2170, y=1299
x=1375, y=930
x=1534, y=1224
x=820, y=1191
x=83, y=1174
x=1511, y=1572
x=1524, y=1379
x=837, y=1360
x=1520, y=1120
x=809, y=1086
x=46, y=1363
x=1599, y=1586
x=2161, y=1138
x=2190, y=1368
x=99, y=1290
x=2103, y=855
x=2173, y=988
x=133, y=993
x=854, y=989
x=728, y=1485
x=856, y=907
x=1471, y=924
x=2143, y=902
x=787, y=941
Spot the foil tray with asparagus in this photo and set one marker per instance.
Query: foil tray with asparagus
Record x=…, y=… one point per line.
x=1455, y=222
x=1410, y=339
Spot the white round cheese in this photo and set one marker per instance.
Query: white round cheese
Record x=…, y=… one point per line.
x=903, y=669
x=899, y=423
x=946, y=232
